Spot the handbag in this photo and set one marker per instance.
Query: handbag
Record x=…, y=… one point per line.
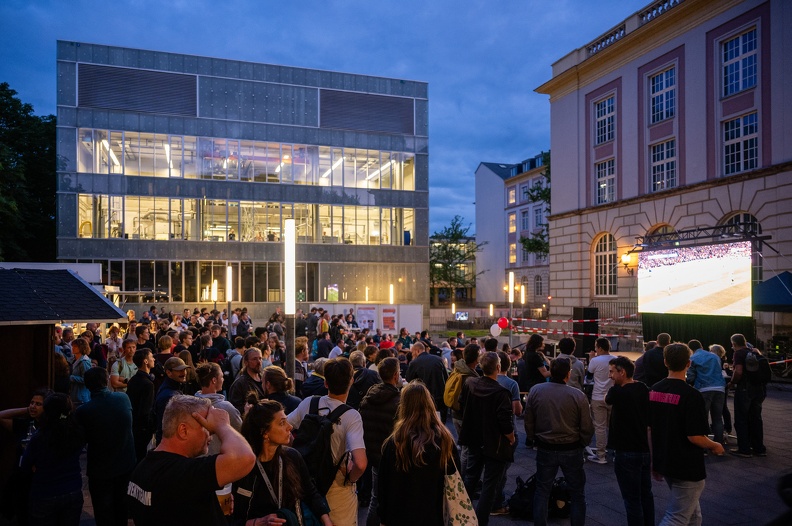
x=457, y=508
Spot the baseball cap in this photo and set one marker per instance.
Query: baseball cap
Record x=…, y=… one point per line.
x=175, y=364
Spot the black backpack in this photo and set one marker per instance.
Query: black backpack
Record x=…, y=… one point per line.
x=521, y=501
x=757, y=368
x=312, y=441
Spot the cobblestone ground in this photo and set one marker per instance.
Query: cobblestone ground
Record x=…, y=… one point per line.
x=739, y=491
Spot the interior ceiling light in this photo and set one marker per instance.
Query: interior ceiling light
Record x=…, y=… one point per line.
x=110, y=151
x=375, y=173
x=335, y=165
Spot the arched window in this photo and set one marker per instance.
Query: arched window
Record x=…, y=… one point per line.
x=745, y=223
x=538, y=288
x=605, y=267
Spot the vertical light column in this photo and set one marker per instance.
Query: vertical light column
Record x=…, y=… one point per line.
x=511, y=306
x=229, y=293
x=214, y=293
x=289, y=266
x=390, y=294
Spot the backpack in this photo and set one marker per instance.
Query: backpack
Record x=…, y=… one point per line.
x=560, y=499
x=226, y=365
x=757, y=368
x=314, y=350
x=312, y=441
x=453, y=388
x=521, y=501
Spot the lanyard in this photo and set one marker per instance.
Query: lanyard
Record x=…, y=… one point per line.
x=279, y=499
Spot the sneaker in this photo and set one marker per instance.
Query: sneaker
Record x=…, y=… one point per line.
x=500, y=511
x=596, y=459
x=737, y=453
x=590, y=451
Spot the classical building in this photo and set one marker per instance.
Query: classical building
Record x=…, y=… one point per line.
x=676, y=118
x=505, y=213
x=174, y=168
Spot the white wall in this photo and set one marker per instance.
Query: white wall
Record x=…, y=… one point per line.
x=490, y=227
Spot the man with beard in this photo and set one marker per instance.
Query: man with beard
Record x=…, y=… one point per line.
x=249, y=379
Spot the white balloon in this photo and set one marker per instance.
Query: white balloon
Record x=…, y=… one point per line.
x=495, y=330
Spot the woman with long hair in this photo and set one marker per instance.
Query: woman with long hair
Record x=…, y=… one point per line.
x=191, y=386
x=278, y=387
x=280, y=480
x=415, y=460
x=536, y=367
x=53, y=456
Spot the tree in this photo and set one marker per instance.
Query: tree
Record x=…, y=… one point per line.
x=27, y=181
x=539, y=241
x=452, y=253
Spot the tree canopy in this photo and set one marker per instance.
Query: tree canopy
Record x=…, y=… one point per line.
x=452, y=253
x=27, y=181
x=539, y=241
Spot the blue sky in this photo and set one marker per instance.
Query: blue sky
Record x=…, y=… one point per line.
x=482, y=60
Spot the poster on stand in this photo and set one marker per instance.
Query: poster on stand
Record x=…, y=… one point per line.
x=366, y=317
x=389, y=318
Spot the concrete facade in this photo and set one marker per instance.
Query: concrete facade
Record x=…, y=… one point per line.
x=619, y=158
x=174, y=166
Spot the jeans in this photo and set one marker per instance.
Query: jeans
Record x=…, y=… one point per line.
x=748, y=418
x=713, y=402
x=600, y=414
x=373, y=519
x=493, y=473
x=63, y=510
x=633, y=473
x=109, y=499
x=683, y=503
x=463, y=450
x=571, y=464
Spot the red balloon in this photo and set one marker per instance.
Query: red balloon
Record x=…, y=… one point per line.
x=503, y=323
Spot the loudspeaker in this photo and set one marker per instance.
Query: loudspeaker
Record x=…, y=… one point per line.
x=585, y=344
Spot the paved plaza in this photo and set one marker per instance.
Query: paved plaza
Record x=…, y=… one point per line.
x=739, y=491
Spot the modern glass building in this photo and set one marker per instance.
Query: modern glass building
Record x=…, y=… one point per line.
x=174, y=167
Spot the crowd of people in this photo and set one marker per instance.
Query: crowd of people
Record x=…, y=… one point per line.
x=196, y=409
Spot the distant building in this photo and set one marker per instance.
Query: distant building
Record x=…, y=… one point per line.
x=674, y=119
x=175, y=167
x=504, y=214
x=448, y=293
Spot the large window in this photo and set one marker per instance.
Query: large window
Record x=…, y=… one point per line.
x=512, y=223
x=664, y=173
x=539, y=217
x=161, y=155
x=605, y=111
x=538, y=288
x=740, y=144
x=161, y=218
x=739, y=60
x=512, y=253
x=525, y=220
x=511, y=195
x=662, y=92
x=606, y=181
x=605, y=266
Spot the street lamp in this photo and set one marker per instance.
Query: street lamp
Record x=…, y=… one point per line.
x=289, y=307
x=511, y=306
x=214, y=294
x=229, y=293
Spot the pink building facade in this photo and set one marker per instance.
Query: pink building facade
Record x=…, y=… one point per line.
x=676, y=118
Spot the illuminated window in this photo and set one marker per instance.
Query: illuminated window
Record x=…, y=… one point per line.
x=512, y=223
x=605, y=266
x=606, y=181
x=739, y=59
x=664, y=173
x=513, y=253
x=512, y=195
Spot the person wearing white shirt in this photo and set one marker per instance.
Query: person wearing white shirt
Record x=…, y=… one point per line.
x=600, y=411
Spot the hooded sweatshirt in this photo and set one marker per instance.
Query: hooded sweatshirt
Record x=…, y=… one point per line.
x=378, y=412
x=460, y=367
x=220, y=402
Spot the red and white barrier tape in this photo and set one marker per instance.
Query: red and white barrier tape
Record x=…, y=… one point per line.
x=598, y=320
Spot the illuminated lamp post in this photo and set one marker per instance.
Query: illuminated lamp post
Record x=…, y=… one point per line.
x=290, y=307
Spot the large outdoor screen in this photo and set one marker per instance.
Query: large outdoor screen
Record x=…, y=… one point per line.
x=710, y=279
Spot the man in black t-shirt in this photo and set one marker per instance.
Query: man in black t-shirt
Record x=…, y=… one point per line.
x=679, y=425
x=748, y=398
x=175, y=484
x=627, y=436
x=653, y=365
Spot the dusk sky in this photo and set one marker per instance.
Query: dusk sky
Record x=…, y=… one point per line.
x=482, y=60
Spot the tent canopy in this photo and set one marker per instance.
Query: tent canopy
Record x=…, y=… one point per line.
x=773, y=295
